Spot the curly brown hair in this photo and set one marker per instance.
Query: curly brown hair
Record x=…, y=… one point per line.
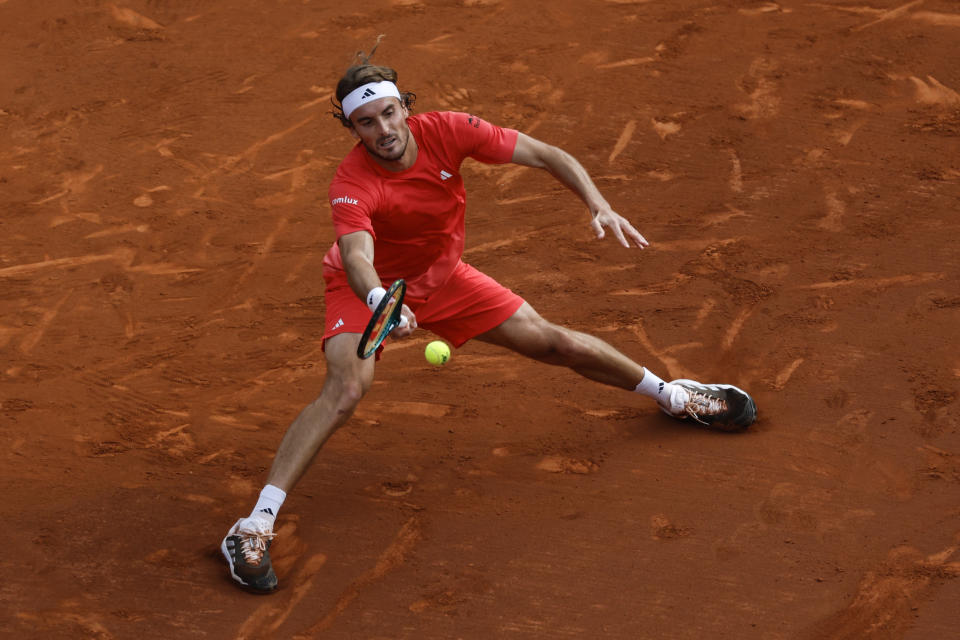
x=361, y=73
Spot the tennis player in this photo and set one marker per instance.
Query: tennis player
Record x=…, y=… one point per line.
x=398, y=205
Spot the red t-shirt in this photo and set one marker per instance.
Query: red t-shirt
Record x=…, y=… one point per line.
x=416, y=216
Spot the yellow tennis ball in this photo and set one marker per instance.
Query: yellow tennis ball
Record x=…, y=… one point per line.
x=437, y=352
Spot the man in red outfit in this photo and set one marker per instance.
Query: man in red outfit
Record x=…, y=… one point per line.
x=398, y=205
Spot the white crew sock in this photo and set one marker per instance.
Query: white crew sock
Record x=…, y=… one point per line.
x=656, y=388
x=271, y=498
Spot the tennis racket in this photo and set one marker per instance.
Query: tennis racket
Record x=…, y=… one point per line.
x=386, y=318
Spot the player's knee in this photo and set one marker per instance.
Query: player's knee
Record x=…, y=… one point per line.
x=567, y=346
x=352, y=392
x=559, y=345
x=346, y=392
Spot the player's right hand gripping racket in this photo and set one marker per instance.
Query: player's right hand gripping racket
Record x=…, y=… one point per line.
x=386, y=318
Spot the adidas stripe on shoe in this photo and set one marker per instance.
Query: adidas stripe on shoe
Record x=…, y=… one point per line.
x=246, y=548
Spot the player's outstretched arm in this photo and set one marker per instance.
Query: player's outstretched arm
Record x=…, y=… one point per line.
x=356, y=250
x=564, y=167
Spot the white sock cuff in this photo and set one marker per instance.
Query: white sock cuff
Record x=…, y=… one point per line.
x=274, y=493
x=652, y=385
x=270, y=501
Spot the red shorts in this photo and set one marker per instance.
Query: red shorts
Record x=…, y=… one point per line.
x=468, y=304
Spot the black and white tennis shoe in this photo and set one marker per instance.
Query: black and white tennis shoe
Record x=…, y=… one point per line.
x=247, y=550
x=723, y=406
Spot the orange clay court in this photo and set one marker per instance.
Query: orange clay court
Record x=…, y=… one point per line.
x=796, y=167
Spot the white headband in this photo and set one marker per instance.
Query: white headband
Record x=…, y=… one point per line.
x=367, y=92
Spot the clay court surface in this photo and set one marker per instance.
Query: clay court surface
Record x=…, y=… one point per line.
x=796, y=167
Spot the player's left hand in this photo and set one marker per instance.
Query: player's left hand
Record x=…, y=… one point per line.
x=407, y=324
x=621, y=227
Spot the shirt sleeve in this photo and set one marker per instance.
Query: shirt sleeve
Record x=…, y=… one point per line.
x=351, y=207
x=480, y=140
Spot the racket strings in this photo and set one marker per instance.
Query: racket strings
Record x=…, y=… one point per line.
x=383, y=323
x=384, y=320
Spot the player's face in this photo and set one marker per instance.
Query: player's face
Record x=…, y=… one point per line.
x=382, y=127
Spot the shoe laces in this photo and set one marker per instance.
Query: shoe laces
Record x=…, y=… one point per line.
x=253, y=545
x=254, y=534
x=702, y=404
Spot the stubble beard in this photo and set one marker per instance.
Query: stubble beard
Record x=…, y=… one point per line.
x=394, y=154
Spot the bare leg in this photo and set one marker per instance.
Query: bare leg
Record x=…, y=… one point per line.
x=348, y=379
x=527, y=333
